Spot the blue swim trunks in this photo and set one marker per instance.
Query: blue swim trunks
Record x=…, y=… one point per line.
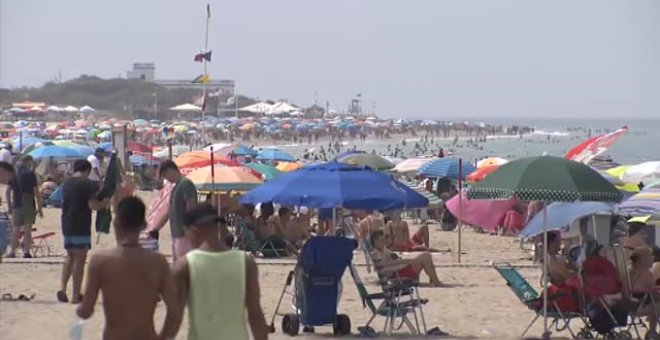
x=77, y=242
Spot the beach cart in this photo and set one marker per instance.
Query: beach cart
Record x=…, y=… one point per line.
x=315, y=290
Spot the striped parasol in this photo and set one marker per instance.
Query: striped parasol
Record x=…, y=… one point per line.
x=647, y=202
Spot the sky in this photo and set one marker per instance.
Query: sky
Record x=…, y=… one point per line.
x=408, y=58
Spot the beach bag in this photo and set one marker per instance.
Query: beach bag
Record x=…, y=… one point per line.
x=601, y=320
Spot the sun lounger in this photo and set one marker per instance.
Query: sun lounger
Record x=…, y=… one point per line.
x=560, y=320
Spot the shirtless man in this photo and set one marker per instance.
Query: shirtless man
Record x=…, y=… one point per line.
x=131, y=279
x=401, y=240
x=390, y=264
x=368, y=224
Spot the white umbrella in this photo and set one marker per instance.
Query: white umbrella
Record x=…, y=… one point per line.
x=54, y=108
x=644, y=172
x=70, y=108
x=87, y=109
x=280, y=108
x=411, y=164
x=186, y=107
x=217, y=147
x=261, y=107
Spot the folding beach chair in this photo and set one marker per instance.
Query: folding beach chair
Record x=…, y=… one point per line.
x=636, y=299
x=529, y=297
x=247, y=241
x=396, y=303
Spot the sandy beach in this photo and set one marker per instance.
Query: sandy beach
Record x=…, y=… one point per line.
x=478, y=304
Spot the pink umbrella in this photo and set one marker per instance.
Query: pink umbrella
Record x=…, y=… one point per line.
x=486, y=214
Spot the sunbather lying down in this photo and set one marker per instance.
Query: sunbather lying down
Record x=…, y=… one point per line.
x=390, y=264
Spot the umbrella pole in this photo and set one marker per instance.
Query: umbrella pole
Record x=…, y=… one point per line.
x=334, y=220
x=460, y=199
x=546, y=334
x=213, y=182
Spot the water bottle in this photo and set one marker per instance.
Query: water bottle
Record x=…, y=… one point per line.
x=76, y=331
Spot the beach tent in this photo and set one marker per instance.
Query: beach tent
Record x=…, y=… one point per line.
x=261, y=107
x=334, y=185
x=281, y=108
x=87, y=109
x=186, y=108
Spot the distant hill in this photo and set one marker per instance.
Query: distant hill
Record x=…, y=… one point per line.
x=126, y=97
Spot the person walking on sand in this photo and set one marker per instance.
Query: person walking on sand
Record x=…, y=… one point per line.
x=131, y=279
x=182, y=198
x=24, y=202
x=218, y=284
x=77, y=205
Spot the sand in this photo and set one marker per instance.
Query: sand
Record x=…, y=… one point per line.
x=478, y=304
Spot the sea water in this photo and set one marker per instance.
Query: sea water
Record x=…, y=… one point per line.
x=552, y=136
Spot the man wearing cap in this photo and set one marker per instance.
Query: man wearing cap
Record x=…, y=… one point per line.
x=218, y=284
x=24, y=203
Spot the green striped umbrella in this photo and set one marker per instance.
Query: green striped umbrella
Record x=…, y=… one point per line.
x=268, y=171
x=545, y=178
x=550, y=179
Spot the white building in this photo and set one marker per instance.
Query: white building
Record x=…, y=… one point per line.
x=142, y=71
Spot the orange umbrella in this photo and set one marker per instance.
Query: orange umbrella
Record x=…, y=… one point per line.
x=201, y=158
x=481, y=173
x=223, y=178
x=491, y=161
x=289, y=166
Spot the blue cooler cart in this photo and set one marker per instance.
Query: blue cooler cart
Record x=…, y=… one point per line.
x=317, y=275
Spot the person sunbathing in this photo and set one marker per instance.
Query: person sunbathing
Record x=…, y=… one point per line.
x=409, y=269
x=642, y=280
x=368, y=224
x=400, y=237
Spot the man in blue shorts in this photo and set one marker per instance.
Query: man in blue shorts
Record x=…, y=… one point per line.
x=78, y=202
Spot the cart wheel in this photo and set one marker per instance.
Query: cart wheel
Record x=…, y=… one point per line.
x=342, y=325
x=290, y=324
x=585, y=334
x=271, y=328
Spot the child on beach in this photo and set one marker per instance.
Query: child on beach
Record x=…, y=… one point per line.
x=131, y=279
x=218, y=284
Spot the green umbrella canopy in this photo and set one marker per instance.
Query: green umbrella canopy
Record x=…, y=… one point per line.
x=269, y=172
x=545, y=178
x=375, y=162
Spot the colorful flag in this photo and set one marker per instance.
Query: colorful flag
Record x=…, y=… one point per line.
x=201, y=79
x=200, y=57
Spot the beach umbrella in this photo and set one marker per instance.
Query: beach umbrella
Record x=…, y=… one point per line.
x=16, y=110
x=54, y=108
x=644, y=172
x=289, y=166
x=186, y=108
x=87, y=109
x=104, y=135
x=138, y=147
x=65, y=143
x=375, y=162
x=481, y=173
x=242, y=150
x=223, y=179
x=594, y=146
x=411, y=164
x=274, y=155
x=332, y=185
x=56, y=152
x=549, y=179
x=196, y=159
x=647, y=202
x=560, y=215
x=83, y=150
x=20, y=144
x=177, y=150
x=446, y=167
x=491, y=161
x=268, y=172
x=218, y=147
x=653, y=184
x=485, y=214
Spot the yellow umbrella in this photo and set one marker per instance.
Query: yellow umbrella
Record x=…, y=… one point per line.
x=181, y=129
x=618, y=171
x=288, y=166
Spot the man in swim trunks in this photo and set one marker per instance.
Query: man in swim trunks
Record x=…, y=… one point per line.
x=390, y=264
x=132, y=279
x=400, y=237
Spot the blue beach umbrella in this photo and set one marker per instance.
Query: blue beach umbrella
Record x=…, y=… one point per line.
x=563, y=214
x=56, y=152
x=243, y=150
x=446, y=167
x=274, y=155
x=333, y=184
x=20, y=144
x=83, y=150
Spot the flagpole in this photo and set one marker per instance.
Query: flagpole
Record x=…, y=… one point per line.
x=235, y=102
x=205, y=76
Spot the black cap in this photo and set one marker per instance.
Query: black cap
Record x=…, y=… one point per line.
x=201, y=214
